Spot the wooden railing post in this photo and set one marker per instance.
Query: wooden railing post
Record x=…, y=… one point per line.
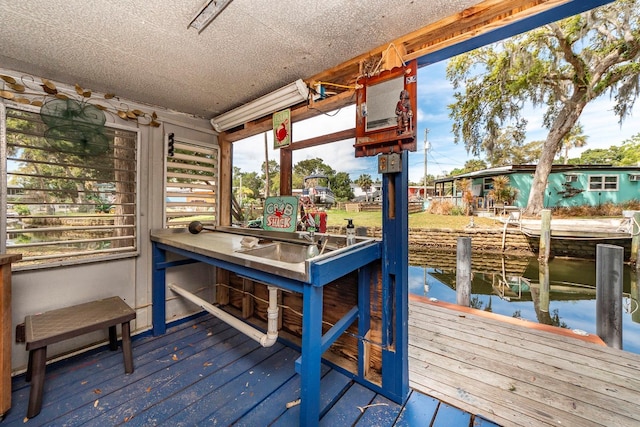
x=609, y=270
x=463, y=271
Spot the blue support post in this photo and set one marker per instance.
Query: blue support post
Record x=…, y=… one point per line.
x=159, y=290
x=311, y=355
x=395, y=282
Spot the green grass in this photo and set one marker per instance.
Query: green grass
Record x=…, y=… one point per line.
x=338, y=218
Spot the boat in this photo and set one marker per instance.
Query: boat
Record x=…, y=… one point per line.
x=318, y=188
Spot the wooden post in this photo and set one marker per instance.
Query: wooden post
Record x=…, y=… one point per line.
x=609, y=270
x=635, y=295
x=635, y=240
x=545, y=236
x=463, y=271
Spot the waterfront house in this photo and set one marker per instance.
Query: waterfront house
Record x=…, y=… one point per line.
x=568, y=185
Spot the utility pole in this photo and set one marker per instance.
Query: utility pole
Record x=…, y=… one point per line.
x=426, y=149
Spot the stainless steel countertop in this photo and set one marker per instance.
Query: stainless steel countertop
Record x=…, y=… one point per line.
x=226, y=245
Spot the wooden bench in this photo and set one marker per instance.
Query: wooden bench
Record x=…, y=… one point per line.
x=54, y=326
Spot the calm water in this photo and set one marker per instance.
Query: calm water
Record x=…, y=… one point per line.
x=510, y=286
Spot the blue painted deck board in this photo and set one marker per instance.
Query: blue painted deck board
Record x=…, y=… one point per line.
x=381, y=412
x=345, y=412
x=419, y=410
x=203, y=372
x=231, y=400
x=449, y=416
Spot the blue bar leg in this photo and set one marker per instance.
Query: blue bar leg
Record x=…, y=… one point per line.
x=158, y=291
x=311, y=356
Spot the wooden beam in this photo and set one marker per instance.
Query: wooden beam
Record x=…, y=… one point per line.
x=323, y=139
x=225, y=189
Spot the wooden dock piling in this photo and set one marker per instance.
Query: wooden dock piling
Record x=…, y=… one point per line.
x=545, y=236
x=609, y=270
x=463, y=271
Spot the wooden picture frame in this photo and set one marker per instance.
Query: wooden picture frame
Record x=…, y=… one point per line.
x=380, y=128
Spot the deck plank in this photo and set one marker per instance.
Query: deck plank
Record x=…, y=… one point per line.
x=516, y=375
x=234, y=398
x=449, y=416
x=419, y=410
x=381, y=412
x=347, y=410
x=332, y=386
x=274, y=405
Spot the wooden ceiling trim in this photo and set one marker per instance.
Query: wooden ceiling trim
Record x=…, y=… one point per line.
x=419, y=45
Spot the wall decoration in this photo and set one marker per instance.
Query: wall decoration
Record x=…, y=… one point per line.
x=280, y=213
x=281, y=128
x=77, y=102
x=386, y=106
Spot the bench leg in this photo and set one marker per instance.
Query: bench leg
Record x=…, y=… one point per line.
x=27, y=376
x=37, y=361
x=113, y=338
x=127, y=353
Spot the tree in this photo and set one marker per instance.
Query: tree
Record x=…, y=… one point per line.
x=309, y=167
x=561, y=67
x=508, y=148
x=574, y=139
x=365, y=182
x=599, y=156
x=341, y=186
x=470, y=166
x=269, y=172
x=630, y=151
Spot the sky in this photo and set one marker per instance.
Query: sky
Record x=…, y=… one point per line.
x=435, y=92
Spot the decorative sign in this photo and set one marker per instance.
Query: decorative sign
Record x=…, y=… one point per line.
x=281, y=128
x=386, y=110
x=280, y=213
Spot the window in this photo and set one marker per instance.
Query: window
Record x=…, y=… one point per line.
x=603, y=183
x=191, y=189
x=71, y=197
x=487, y=184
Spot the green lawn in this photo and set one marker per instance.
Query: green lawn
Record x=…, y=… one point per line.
x=417, y=220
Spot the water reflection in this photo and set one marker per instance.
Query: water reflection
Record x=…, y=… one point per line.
x=562, y=293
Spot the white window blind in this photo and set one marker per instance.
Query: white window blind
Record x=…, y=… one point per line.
x=191, y=189
x=70, y=198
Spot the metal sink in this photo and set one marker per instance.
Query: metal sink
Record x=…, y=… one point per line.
x=280, y=251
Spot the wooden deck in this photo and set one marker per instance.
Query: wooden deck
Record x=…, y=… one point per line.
x=517, y=373
x=204, y=372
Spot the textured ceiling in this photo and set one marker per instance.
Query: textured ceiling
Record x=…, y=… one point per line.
x=143, y=51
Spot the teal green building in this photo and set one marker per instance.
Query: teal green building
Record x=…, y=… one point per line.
x=568, y=185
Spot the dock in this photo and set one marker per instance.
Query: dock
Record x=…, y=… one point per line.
x=519, y=373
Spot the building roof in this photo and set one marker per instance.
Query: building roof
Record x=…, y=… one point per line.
x=507, y=170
